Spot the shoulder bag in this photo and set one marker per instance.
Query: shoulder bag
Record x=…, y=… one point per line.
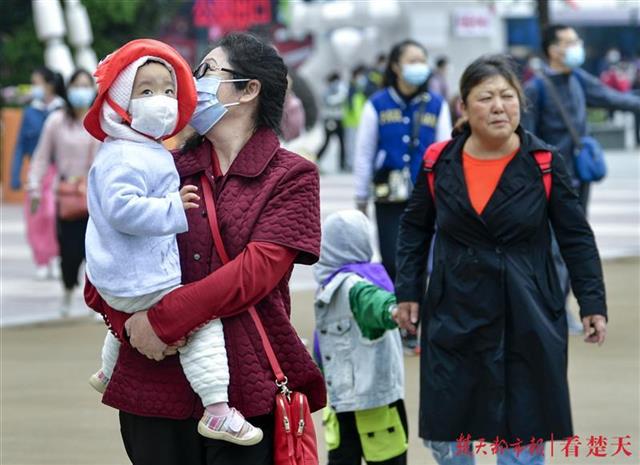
x=294, y=436
x=588, y=159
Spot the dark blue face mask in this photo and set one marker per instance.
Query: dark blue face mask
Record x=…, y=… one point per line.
x=209, y=110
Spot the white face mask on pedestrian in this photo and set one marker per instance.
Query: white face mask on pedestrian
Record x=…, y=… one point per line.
x=154, y=116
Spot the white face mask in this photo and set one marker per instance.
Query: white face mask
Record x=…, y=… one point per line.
x=154, y=116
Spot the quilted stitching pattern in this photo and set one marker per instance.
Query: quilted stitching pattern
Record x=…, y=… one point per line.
x=271, y=195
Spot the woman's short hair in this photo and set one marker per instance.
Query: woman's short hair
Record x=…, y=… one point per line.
x=390, y=77
x=488, y=66
x=252, y=58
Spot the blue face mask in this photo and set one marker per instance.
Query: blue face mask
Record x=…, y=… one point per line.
x=574, y=56
x=81, y=97
x=209, y=110
x=37, y=92
x=415, y=74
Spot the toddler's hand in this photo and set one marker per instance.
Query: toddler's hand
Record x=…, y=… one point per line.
x=188, y=196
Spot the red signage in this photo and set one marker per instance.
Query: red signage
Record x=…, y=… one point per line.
x=232, y=15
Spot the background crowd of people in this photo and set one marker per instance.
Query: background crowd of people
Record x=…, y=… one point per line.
x=481, y=219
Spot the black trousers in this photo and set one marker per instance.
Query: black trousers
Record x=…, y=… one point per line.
x=388, y=221
x=161, y=441
x=334, y=127
x=72, y=254
x=349, y=452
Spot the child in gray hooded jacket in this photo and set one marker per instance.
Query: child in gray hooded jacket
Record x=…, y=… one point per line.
x=359, y=347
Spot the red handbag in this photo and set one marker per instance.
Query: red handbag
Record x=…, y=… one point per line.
x=294, y=436
x=71, y=199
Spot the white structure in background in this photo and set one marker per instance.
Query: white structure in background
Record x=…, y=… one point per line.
x=50, y=29
x=80, y=35
x=349, y=32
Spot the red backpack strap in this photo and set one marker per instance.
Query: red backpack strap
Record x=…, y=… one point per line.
x=543, y=159
x=430, y=159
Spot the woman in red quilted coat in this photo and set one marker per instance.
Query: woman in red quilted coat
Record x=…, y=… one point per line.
x=267, y=204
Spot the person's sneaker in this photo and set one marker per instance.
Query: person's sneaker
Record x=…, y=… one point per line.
x=65, y=307
x=231, y=427
x=42, y=273
x=53, y=271
x=99, y=381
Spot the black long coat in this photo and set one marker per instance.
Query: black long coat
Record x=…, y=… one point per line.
x=494, y=334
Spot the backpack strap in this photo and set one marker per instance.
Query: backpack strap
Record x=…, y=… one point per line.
x=543, y=159
x=430, y=159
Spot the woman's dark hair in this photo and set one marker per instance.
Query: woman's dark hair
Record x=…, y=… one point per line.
x=53, y=78
x=390, y=77
x=252, y=58
x=483, y=68
x=67, y=105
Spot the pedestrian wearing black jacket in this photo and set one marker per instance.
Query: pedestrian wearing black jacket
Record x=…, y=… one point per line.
x=494, y=334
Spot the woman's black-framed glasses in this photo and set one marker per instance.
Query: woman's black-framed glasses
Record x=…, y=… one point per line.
x=205, y=66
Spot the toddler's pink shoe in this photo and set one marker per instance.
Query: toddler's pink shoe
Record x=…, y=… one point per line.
x=99, y=381
x=231, y=427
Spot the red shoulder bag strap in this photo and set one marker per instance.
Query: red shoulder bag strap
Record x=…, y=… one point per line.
x=210, y=205
x=543, y=159
x=430, y=159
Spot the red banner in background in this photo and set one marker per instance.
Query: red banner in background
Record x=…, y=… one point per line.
x=237, y=15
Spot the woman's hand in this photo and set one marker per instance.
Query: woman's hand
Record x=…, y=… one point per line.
x=189, y=197
x=595, y=329
x=143, y=338
x=407, y=316
x=172, y=350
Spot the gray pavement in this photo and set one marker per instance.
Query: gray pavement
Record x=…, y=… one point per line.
x=49, y=415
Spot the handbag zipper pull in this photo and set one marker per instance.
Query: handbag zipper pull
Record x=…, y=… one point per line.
x=285, y=418
x=301, y=422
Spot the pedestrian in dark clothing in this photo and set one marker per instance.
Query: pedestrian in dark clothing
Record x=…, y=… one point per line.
x=334, y=99
x=576, y=88
x=494, y=336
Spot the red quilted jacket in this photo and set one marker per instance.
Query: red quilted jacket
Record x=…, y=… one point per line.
x=268, y=195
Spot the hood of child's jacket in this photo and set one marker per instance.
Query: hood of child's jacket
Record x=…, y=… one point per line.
x=345, y=239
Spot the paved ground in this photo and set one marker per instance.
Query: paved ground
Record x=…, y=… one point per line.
x=49, y=415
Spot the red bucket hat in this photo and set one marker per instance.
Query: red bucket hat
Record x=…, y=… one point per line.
x=109, y=69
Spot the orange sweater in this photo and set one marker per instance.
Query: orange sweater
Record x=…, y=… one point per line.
x=482, y=177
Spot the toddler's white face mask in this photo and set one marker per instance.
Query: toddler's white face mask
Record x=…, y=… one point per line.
x=154, y=116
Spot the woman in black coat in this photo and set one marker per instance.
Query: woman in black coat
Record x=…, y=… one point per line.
x=494, y=336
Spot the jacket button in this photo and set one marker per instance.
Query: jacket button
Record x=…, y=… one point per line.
x=498, y=250
x=323, y=331
x=339, y=328
x=196, y=256
x=328, y=383
x=327, y=357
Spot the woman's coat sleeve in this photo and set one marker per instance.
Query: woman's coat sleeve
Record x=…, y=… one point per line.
x=414, y=239
x=576, y=241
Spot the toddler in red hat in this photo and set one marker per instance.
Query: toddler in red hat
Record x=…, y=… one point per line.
x=136, y=207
